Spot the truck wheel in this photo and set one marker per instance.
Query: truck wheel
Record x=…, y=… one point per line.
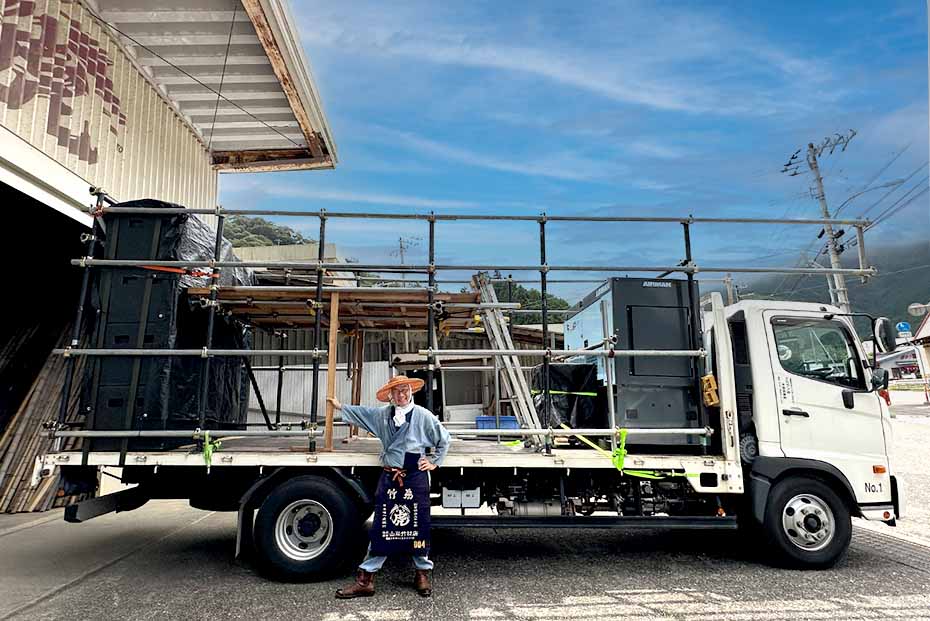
x=307, y=529
x=807, y=524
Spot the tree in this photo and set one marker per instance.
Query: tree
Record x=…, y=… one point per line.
x=529, y=299
x=246, y=232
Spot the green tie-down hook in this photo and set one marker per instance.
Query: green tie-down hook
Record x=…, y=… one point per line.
x=208, y=447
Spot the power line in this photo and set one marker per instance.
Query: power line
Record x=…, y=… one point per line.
x=882, y=170
x=892, y=210
x=895, y=189
x=186, y=74
x=216, y=106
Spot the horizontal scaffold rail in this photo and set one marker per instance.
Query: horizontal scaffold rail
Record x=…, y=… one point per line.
x=684, y=269
x=322, y=213
x=203, y=353
x=291, y=433
x=545, y=353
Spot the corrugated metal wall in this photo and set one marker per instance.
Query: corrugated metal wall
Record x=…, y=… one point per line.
x=296, y=389
x=68, y=89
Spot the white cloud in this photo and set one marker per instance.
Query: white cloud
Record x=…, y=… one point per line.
x=341, y=196
x=238, y=185
x=564, y=165
x=649, y=148
x=621, y=63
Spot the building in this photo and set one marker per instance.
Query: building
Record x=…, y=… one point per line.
x=144, y=99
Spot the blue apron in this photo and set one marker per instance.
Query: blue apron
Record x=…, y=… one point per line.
x=401, y=523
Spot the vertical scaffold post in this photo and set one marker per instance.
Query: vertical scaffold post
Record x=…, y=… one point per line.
x=211, y=318
x=282, y=338
x=78, y=320
x=694, y=310
x=543, y=271
x=430, y=315
x=510, y=301
x=317, y=328
x=609, y=365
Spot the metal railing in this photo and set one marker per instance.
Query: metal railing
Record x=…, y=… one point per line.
x=687, y=266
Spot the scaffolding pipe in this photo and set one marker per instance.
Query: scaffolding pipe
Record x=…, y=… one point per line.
x=609, y=375
x=211, y=318
x=541, y=353
x=473, y=217
x=547, y=396
x=229, y=433
x=694, y=317
x=317, y=327
x=430, y=315
x=78, y=318
x=245, y=353
x=685, y=269
x=280, y=387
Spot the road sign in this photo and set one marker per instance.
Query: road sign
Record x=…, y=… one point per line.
x=902, y=327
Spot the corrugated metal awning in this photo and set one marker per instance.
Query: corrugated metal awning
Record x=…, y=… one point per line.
x=235, y=70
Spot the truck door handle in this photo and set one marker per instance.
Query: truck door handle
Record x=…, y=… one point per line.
x=796, y=413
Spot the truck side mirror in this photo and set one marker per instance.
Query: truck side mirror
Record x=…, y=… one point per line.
x=884, y=334
x=879, y=378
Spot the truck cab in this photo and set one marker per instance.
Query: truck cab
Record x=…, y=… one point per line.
x=815, y=436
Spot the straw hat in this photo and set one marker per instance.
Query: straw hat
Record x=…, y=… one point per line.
x=384, y=393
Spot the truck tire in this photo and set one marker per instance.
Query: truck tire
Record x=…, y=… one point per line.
x=807, y=524
x=307, y=529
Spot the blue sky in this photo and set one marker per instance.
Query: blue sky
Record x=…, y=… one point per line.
x=624, y=108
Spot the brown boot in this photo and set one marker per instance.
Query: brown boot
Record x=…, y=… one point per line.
x=422, y=584
x=364, y=586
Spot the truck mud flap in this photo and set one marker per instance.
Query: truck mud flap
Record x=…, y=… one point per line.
x=125, y=500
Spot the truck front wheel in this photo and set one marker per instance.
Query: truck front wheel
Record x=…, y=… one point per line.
x=807, y=524
x=307, y=529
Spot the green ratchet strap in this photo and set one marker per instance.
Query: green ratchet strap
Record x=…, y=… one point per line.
x=512, y=443
x=536, y=391
x=208, y=447
x=619, y=455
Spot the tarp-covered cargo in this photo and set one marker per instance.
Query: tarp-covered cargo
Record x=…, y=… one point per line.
x=147, y=307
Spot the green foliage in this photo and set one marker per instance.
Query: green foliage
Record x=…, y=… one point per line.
x=529, y=299
x=243, y=232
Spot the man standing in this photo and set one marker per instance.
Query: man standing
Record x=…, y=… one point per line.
x=402, y=505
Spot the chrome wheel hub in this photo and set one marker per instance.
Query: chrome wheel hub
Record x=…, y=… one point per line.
x=303, y=530
x=808, y=522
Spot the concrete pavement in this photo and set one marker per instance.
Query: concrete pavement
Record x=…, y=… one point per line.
x=168, y=560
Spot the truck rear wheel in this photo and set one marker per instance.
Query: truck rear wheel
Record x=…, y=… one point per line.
x=307, y=529
x=807, y=524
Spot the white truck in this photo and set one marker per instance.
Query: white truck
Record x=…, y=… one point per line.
x=800, y=442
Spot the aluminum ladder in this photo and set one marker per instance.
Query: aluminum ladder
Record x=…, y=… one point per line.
x=514, y=381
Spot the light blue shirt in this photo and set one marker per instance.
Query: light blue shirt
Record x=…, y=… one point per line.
x=424, y=431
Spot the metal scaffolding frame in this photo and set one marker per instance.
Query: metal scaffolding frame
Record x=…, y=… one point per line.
x=688, y=267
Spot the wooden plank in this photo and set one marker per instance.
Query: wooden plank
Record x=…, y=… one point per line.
x=331, y=369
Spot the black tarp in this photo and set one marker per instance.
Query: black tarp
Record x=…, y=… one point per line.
x=148, y=307
x=576, y=397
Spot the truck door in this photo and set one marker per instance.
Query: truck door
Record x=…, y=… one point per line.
x=814, y=362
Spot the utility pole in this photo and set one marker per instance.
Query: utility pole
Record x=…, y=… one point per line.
x=792, y=167
x=842, y=294
x=731, y=294
x=831, y=285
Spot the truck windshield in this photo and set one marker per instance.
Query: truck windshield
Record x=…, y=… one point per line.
x=819, y=349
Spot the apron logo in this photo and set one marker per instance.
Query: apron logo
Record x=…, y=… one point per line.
x=400, y=515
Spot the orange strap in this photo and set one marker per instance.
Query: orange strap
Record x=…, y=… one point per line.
x=180, y=270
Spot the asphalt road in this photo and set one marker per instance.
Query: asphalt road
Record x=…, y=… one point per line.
x=169, y=561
